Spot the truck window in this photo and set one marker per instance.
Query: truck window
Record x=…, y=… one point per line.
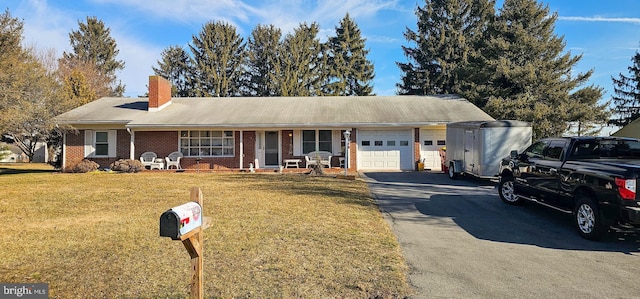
x=587, y=149
x=555, y=150
x=620, y=149
x=536, y=149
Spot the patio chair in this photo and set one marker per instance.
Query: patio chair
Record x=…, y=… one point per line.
x=174, y=160
x=148, y=159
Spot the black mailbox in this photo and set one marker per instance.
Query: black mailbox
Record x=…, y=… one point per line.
x=180, y=220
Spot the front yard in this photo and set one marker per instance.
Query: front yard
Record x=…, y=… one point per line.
x=96, y=235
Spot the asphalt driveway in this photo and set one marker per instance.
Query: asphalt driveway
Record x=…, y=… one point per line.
x=461, y=241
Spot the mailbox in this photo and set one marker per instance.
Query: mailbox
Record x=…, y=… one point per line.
x=180, y=220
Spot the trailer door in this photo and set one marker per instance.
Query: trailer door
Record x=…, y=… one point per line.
x=469, y=150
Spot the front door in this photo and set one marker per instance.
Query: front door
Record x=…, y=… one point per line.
x=271, y=148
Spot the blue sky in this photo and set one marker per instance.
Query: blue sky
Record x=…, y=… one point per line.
x=606, y=33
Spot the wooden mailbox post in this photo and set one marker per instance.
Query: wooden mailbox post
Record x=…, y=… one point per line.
x=186, y=223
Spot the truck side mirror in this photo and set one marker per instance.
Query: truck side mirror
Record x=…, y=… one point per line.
x=514, y=155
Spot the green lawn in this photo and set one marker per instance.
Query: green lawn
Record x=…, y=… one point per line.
x=96, y=235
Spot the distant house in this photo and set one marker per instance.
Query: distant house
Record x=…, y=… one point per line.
x=631, y=130
x=387, y=132
x=13, y=154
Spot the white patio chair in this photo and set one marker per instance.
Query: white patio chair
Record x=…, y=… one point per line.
x=174, y=160
x=148, y=159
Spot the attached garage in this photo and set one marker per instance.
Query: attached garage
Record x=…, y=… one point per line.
x=385, y=149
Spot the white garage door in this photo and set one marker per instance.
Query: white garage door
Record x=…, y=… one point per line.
x=385, y=150
x=431, y=141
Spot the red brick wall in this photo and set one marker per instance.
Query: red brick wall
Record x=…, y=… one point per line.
x=73, y=150
x=353, y=151
x=160, y=142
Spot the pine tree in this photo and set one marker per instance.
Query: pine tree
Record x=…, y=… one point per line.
x=350, y=73
x=300, y=68
x=626, y=100
x=218, y=53
x=92, y=43
x=531, y=77
x=448, y=32
x=261, y=60
x=176, y=67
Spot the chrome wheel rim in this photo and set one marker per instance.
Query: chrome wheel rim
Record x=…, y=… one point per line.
x=586, y=218
x=451, y=173
x=507, y=191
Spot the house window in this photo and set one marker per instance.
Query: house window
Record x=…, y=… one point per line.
x=316, y=140
x=366, y=143
x=404, y=143
x=428, y=142
x=207, y=143
x=102, y=143
x=442, y=142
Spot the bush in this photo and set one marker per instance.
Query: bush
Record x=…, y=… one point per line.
x=127, y=165
x=86, y=166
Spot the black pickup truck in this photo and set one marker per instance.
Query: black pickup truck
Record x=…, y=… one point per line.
x=593, y=178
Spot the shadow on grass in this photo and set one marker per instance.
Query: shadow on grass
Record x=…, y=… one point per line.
x=20, y=169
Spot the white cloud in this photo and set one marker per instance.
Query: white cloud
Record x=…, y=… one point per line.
x=601, y=19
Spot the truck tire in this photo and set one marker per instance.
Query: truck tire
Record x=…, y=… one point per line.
x=452, y=172
x=506, y=191
x=587, y=219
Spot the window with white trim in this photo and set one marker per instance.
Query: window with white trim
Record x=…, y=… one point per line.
x=316, y=140
x=196, y=143
x=100, y=143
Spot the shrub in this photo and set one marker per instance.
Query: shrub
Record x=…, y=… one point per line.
x=86, y=166
x=127, y=165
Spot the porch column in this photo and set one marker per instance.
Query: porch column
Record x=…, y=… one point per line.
x=132, y=146
x=241, y=148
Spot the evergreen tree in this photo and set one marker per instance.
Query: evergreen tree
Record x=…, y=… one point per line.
x=531, y=77
x=218, y=53
x=626, y=100
x=176, y=67
x=448, y=32
x=261, y=60
x=300, y=63
x=92, y=43
x=350, y=73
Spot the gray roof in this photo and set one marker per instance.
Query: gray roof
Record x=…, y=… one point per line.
x=278, y=112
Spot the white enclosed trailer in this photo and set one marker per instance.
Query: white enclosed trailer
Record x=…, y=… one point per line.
x=477, y=147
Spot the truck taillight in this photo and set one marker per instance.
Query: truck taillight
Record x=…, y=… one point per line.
x=626, y=188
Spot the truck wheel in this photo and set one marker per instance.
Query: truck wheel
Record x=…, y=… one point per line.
x=452, y=172
x=587, y=218
x=506, y=191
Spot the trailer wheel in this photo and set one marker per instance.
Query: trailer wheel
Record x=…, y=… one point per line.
x=452, y=172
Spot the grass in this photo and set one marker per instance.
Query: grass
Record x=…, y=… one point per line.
x=96, y=235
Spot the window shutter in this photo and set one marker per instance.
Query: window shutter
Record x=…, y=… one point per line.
x=297, y=142
x=336, y=137
x=88, y=143
x=112, y=143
